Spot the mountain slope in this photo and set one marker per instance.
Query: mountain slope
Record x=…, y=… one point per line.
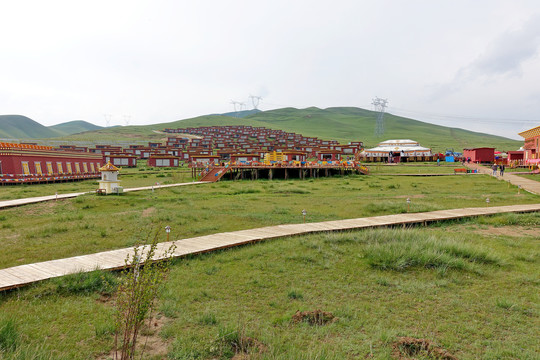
x=74, y=127
x=22, y=127
x=340, y=123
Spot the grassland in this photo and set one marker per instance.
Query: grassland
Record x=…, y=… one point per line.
x=479, y=301
x=108, y=222
x=469, y=286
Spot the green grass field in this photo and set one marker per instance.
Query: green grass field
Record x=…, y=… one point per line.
x=469, y=286
x=475, y=293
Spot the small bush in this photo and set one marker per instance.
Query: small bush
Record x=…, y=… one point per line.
x=295, y=295
x=505, y=304
x=208, y=319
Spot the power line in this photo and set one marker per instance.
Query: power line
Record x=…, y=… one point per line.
x=462, y=117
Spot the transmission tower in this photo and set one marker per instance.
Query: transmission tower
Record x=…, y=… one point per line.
x=380, y=106
x=240, y=105
x=107, y=119
x=127, y=119
x=255, y=101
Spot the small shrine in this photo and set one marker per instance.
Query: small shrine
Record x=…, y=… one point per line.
x=109, y=183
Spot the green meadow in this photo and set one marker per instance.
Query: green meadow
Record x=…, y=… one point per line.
x=470, y=287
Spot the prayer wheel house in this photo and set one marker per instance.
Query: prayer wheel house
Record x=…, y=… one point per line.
x=109, y=183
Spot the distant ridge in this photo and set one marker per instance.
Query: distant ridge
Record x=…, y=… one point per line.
x=75, y=127
x=241, y=114
x=22, y=127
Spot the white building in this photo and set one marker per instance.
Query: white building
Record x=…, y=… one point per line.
x=398, y=148
x=109, y=183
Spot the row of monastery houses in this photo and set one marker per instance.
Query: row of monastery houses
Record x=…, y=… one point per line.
x=29, y=163
x=247, y=139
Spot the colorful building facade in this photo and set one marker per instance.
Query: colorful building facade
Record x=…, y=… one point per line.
x=33, y=163
x=531, y=153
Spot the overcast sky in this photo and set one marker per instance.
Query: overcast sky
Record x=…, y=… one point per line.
x=463, y=63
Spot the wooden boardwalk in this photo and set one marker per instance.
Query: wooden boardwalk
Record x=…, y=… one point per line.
x=110, y=260
x=33, y=200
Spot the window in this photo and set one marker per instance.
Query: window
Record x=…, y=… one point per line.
x=92, y=168
x=163, y=162
x=59, y=168
x=37, y=164
x=68, y=166
x=85, y=167
x=1, y=168
x=25, y=168
x=121, y=161
x=49, y=168
x=77, y=168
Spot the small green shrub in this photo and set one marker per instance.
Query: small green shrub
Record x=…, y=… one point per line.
x=208, y=319
x=295, y=294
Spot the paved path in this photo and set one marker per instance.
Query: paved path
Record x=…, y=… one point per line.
x=32, y=200
x=109, y=260
x=529, y=185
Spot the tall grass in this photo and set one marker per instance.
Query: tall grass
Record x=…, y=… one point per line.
x=103, y=282
x=399, y=250
x=9, y=336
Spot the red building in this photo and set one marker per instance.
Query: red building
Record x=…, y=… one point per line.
x=515, y=157
x=163, y=161
x=33, y=163
x=328, y=155
x=121, y=160
x=480, y=155
x=531, y=148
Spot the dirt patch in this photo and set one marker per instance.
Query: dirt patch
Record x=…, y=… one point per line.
x=42, y=208
x=148, y=212
x=316, y=317
x=511, y=231
x=154, y=345
x=408, y=348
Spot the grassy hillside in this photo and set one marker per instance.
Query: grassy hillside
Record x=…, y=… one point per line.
x=343, y=124
x=21, y=127
x=346, y=124
x=75, y=127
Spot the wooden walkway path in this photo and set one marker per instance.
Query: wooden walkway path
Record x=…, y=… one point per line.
x=33, y=200
x=529, y=185
x=110, y=260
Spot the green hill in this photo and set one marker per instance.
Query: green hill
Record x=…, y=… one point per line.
x=21, y=127
x=340, y=123
x=74, y=127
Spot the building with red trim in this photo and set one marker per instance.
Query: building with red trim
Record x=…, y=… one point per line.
x=33, y=163
x=163, y=161
x=531, y=147
x=480, y=155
